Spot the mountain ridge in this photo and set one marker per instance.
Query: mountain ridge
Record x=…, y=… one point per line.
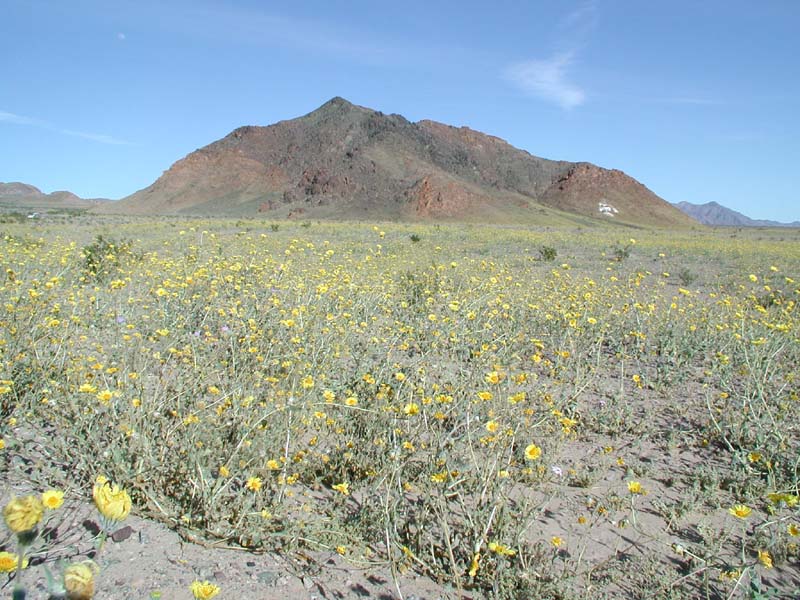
x=347, y=161
x=24, y=196
x=715, y=214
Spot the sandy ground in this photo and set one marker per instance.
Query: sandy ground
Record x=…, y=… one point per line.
x=147, y=560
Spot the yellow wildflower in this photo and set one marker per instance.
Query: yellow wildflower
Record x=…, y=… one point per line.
x=765, y=559
x=10, y=561
x=439, y=477
x=342, y=488
x=740, y=511
x=253, y=484
x=23, y=514
x=501, y=549
x=634, y=487
x=113, y=502
x=475, y=565
x=411, y=409
x=79, y=580
x=105, y=396
x=224, y=471
x=203, y=590
x=532, y=452
x=52, y=499
x=789, y=500
x=494, y=377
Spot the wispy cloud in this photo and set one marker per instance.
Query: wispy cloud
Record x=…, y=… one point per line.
x=547, y=79
x=7, y=117
x=576, y=25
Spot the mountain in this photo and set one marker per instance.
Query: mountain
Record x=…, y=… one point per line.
x=25, y=197
x=712, y=213
x=349, y=162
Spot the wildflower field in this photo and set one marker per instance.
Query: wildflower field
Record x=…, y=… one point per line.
x=504, y=412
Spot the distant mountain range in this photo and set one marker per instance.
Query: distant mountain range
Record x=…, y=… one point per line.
x=712, y=213
x=25, y=197
x=344, y=161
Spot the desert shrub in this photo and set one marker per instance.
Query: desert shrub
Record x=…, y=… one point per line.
x=103, y=256
x=687, y=277
x=547, y=253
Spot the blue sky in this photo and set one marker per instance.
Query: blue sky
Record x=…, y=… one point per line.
x=698, y=100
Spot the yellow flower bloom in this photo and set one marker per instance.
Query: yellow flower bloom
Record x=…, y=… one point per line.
x=532, y=452
x=10, y=561
x=253, y=484
x=23, y=514
x=501, y=549
x=634, y=487
x=273, y=464
x=789, y=500
x=224, y=471
x=411, y=409
x=105, y=396
x=740, y=511
x=494, y=377
x=475, y=565
x=793, y=530
x=765, y=559
x=203, y=590
x=52, y=499
x=113, y=502
x=342, y=488
x=556, y=541
x=79, y=580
